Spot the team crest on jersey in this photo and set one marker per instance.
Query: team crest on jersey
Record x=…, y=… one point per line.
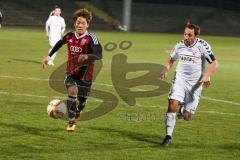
x=194, y=52
x=83, y=42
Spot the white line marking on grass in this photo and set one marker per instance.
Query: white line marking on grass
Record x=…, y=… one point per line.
x=210, y=112
x=29, y=95
x=36, y=96
x=109, y=85
x=22, y=94
x=214, y=112
x=220, y=100
x=44, y=97
x=25, y=78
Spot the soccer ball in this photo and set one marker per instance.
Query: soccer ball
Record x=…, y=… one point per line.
x=56, y=108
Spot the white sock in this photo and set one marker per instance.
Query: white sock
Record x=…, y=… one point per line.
x=170, y=123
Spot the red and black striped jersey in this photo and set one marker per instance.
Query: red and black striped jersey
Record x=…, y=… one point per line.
x=88, y=44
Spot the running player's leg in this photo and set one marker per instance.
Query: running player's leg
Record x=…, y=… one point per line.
x=170, y=121
x=176, y=95
x=191, y=102
x=71, y=101
x=82, y=101
x=84, y=88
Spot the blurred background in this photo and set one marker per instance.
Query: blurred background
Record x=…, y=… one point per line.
x=215, y=17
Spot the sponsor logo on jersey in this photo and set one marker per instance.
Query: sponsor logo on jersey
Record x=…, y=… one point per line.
x=75, y=49
x=187, y=59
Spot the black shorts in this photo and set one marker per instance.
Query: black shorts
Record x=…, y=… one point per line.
x=84, y=87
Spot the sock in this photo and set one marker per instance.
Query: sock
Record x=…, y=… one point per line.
x=72, y=109
x=170, y=123
x=182, y=109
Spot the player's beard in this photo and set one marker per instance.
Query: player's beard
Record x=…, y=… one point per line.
x=186, y=42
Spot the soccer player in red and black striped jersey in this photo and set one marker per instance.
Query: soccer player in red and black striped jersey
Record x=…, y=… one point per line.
x=83, y=49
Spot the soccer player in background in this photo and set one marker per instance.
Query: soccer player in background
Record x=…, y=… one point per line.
x=83, y=49
x=1, y=17
x=185, y=92
x=55, y=27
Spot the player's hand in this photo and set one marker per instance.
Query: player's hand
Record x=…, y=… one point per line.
x=163, y=75
x=45, y=62
x=205, y=81
x=82, y=58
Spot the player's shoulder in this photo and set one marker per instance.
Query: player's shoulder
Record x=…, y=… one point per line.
x=91, y=34
x=202, y=42
x=93, y=37
x=50, y=18
x=179, y=44
x=69, y=34
x=62, y=19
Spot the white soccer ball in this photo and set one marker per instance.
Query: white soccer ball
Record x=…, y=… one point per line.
x=56, y=108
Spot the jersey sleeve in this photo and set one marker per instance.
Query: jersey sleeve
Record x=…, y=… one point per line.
x=207, y=52
x=63, y=23
x=174, y=53
x=48, y=21
x=58, y=45
x=96, y=48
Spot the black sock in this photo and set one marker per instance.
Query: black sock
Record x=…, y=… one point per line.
x=72, y=108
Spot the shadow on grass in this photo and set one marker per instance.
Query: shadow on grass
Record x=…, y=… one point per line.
x=25, y=60
x=33, y=130
x=154, y=140
x=231, y=146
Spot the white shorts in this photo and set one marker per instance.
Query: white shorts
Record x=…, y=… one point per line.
x=186, y=93
x=53, y=40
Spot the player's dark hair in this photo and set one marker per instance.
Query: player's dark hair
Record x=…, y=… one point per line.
x=56, y=6
x=196, y=28
x=85, y=13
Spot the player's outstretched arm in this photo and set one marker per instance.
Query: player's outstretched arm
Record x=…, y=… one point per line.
x=167, y=66
x=206, y=77
x=55, y=48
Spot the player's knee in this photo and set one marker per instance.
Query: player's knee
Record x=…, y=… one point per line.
x=187, y=116
x=73, y=91
x=172, y=106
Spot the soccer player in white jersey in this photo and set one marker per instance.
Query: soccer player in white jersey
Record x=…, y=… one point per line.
x=1, y=17
x=55, y=27
x=192, y=53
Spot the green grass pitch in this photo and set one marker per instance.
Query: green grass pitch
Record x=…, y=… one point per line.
x=127, y=132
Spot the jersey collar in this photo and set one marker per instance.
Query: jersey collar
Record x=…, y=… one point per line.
x=78, y=37
x=193, y=43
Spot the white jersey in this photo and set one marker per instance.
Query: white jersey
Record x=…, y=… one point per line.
x=192, y=59
x=56, y=24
